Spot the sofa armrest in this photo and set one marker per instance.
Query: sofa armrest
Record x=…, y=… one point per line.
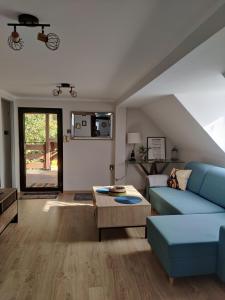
x=221, y=254
x=157, y=180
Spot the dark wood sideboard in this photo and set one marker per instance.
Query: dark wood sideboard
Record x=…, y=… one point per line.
x=8, y=207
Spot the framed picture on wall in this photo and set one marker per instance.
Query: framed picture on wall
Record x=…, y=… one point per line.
x=156, y=148
x=84, y=123
x=78, y=125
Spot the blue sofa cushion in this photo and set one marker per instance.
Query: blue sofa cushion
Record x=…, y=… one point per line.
x=213, y=187
x=188, y=244
x=198, y=174
x=168, y=201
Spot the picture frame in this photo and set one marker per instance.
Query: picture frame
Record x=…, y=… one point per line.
x=78, y=125
x=84, y=123
x=156, y=148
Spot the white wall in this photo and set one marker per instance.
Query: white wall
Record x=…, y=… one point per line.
x=139, y=121
x=3, y=163
x=86, y=162
x=120, y=145
x=1, y=148
x=184, y=131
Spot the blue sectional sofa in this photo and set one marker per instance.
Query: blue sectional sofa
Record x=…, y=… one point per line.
x=189, y=235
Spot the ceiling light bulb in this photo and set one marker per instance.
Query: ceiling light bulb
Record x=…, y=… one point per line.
x=73, y=93
x=55, y=92
x=15, y=37
x=42, y=37
x=52, y=42
x=14, y=41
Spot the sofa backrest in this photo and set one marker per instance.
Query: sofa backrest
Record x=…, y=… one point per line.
x=207, y=181
x=199, y=171
x=213, y=186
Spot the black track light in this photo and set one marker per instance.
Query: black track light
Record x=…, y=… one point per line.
x=14, y=41
x=58, y=90
x=51, y=40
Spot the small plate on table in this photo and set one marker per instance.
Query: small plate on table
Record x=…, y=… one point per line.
x=128, y=199
x=103, y=190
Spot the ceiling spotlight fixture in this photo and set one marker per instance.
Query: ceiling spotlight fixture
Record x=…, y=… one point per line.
x=51, y=40
x=58, y=90
x=73, y=93
x=14, y=41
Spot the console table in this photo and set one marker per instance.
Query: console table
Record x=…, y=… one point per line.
x=8, y=207
x=151, y=167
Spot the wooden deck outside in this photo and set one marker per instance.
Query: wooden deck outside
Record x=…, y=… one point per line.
x=42, y=178
x=41, y=171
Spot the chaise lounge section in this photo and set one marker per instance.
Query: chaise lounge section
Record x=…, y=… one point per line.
x=189, y=235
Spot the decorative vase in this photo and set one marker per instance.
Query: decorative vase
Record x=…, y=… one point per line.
x=174, y=154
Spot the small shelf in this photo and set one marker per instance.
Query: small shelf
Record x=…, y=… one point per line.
x=150, y=167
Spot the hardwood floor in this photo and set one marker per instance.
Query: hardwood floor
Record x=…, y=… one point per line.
x=53, y=253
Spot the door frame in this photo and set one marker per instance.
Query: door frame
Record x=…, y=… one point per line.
x=21, y=112
x=7, y=109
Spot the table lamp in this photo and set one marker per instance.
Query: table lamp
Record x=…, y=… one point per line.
x=133, y=138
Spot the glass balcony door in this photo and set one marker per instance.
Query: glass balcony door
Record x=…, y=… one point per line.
x=40, y=149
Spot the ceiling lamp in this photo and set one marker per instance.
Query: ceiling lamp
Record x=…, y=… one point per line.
x=15, y=42
x=58, y=90
x=51, y=40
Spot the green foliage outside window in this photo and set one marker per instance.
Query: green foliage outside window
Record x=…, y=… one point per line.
x=35, y=128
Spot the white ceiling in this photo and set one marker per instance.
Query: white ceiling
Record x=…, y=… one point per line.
x=106, y=46
x=199, y=72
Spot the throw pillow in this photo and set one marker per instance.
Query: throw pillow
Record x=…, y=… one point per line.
x=172, y=180
x=178, y=179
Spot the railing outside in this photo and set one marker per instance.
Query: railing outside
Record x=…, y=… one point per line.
x=37, y=156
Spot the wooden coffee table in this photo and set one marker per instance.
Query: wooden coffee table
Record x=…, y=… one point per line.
x=111, y=214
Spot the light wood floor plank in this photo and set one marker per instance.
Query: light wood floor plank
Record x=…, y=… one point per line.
x=54, y=254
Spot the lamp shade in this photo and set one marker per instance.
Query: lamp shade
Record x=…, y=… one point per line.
x=134, y=138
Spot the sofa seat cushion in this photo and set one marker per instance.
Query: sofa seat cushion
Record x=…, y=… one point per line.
x=186, y=245
x=168, y=201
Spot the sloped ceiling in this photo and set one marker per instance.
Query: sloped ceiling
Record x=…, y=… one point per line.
x=183, y=130
x=106, y=46
x=197, y=74
x=200, y=71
